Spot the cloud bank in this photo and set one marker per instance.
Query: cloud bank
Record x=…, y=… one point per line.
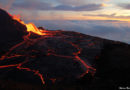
x=38, y=5
x=109, y=29
x=125, y=5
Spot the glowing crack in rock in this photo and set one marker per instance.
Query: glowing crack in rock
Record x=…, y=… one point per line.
x=32, y=28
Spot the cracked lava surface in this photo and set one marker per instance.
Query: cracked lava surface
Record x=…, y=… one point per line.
x=52, y=55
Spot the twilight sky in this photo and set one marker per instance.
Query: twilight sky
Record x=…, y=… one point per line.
x=103, y=18
x=69, y=9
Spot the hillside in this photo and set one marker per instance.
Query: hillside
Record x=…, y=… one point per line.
x=59, y=60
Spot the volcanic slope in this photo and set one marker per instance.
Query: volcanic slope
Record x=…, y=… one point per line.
x=59, y=60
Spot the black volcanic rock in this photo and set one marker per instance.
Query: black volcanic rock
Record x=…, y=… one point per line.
x=113, y=66
x=60, y=57
x=11, y=31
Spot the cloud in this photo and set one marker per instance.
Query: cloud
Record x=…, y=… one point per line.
x=102, y=15
x=114, y=30
x=89, y=7
x=80, y=2
x=104, y=4
x=47, y=6
x=125, y=6
x=34, y=5
x=73, y=2
x=113, y=15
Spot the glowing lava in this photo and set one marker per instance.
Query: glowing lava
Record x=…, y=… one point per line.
x=30, y=26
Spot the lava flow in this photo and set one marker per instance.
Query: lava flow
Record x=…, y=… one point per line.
x=32, y=28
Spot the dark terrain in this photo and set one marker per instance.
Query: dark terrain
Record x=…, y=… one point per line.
x=60, y=60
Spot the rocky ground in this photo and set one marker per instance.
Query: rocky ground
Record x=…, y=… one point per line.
x=59, y=60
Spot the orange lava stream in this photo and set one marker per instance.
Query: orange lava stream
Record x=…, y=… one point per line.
x=32, y=28
x=76, y=57
x=7, y=66
x=36, y=72
x=89, y=68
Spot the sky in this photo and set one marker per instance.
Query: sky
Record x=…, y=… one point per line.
x=69, y=9
x=103, y=18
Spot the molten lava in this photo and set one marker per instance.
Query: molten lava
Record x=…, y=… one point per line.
x=30, y=26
